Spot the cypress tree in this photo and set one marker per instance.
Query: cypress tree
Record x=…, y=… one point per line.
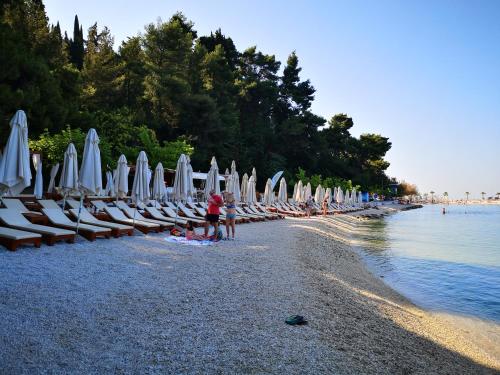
x=76, y=49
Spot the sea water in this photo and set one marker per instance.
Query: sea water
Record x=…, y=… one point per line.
x=448, y=263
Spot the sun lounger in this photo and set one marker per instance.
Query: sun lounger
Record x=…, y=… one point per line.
x=118, y=216
x=285, y=211
x=252, y=217
x=49, y=203
x=186, y=211
x=263, y=209
x=258, y=212
x=100, y=205
x=16, y=204
x=87, y=218
x=90, y=232
x=50, y=235
x=12, y=238
x=172, y=213
x=157, y=215
x=131, y=212
x=73, y=203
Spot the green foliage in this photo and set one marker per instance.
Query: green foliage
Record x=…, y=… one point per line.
x=169, y=91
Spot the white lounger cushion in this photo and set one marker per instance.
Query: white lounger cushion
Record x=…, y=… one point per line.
x=14, y=219
x=49, y=203
x=119, y=216
x=57, y=217
x=16, y=204
x=130, y=212
x=87, y=217
x=15, y=234
x=153, y=211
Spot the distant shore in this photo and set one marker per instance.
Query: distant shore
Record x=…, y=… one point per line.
x=143, y=305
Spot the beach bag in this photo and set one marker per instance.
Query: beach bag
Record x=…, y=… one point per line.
x=175, y=232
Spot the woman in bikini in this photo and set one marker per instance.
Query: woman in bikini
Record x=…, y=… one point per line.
x=230, y=213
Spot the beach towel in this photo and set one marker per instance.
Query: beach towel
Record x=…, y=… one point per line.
x=184, y=241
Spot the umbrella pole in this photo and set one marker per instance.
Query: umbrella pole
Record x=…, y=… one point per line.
x=79, y=213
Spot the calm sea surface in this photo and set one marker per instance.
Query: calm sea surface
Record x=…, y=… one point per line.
x=448, y=263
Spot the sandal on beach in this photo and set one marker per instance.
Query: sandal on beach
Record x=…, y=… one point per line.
x=295, y=320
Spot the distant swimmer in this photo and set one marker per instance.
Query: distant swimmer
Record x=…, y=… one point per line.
x=444, y=210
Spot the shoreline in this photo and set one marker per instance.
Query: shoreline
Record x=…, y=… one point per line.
x=140, y=304
x=463, y=334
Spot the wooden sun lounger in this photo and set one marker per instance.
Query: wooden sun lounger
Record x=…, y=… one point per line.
x=90, y=232
x=186, y=211
x=49, y=203
x=257, y=212
x=50, y=235
x=252, y=217
x=118, y=216
x=285, y=211
x=18, y=205
x=12, y=238
x=130, y=212
x=100, y=205
x=171, y=213
x=116, y=229
x=157, y=215
x=263, y=209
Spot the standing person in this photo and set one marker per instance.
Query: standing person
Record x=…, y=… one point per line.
x=325, y=205
x=213, y=212
x=230, y=213
x=309, y=206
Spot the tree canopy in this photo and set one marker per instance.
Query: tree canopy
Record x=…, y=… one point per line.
x=169, y=90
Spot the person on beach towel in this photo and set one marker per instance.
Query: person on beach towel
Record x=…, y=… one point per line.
x=191, y=233
x=214, y=203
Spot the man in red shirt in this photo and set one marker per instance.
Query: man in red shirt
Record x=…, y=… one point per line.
x=213, y=212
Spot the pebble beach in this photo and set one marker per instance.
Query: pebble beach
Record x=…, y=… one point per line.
x=143, y=305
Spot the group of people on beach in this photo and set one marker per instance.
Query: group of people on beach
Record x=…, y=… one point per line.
x=309, y=206
x=215, y=202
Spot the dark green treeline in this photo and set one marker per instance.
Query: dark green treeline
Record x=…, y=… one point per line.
x=169, y=91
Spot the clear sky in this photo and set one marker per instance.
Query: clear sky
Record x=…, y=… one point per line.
x=424, y=73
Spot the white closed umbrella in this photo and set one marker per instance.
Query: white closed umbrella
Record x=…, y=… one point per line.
x=294, y=192
x=251, y=193
x=68, y=182
x=37, y=164
x=244, y=188
x=212, y=182
x=140, y=186
x=340, y=195
x=159, y=183
x=347, y=197
x=53, y=174
x=268, y=193
x=234, y=183
x=254, y=175
x=191, y=189
x=15, y=173
x=307, y=192
x=299, y=197
x=282, y=193
x=318, y=193
x=121, y=177
x=110, y=188
x=328, y=195
x=181, y=183
x=90, y=177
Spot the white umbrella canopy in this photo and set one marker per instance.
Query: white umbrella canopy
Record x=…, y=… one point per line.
x=299, y=196
x=251, y=193
x=282, y=193
x=90, y=170
x=318, y=194
x=159, y=183
x=68, y=182
x=244, y=188
x=234, y=183
x=53, y=174
x=294, y=192
x=181, y=183
x=140, y=186
x=307, y=191
x=360, y=197
x=328, y=195
x=121, y=177
x=37, y=164
x=268, y=192
x=15, y=173
x=191, y=189
x=340, y=195
x=110, y=188
x=212, y=182
x=347, y=197
x=254, y=175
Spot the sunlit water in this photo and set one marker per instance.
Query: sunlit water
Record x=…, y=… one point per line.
x=448, y=263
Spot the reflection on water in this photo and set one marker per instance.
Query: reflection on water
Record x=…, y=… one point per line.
x=443, y=262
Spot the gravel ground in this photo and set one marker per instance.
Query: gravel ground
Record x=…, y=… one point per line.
x=142, y=305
